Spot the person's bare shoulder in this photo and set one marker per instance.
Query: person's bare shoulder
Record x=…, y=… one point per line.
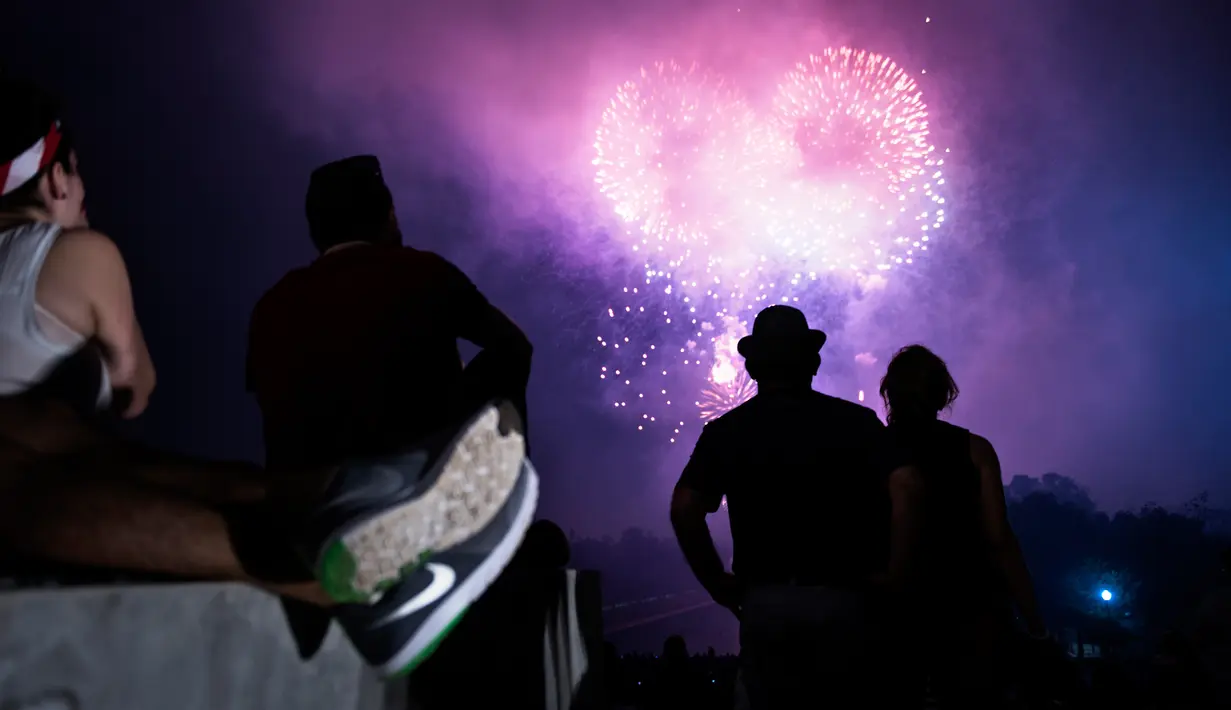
x=83, y=248
x=85, y=237
x=81, y=264
x=982, y=452
x=83, y=261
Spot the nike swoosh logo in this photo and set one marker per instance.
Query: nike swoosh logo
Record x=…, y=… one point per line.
x=443, y=579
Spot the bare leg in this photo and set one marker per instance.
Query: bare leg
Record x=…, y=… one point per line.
x=124, y=525
x=34, y=431
x=74, y=494
x=216, y=483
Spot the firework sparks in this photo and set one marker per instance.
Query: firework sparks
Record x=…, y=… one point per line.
x=653, y=358
x=720, y=398
x=670, y=153
x=862, y=189
x=856, y=113
x=728, y=213
x=729, y=385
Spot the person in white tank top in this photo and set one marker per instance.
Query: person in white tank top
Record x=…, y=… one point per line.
x=69, y=492
x=33, y=340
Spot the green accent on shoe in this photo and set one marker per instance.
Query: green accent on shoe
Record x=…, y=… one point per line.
x=337, y=569
x=428, y=650
x=336, y=574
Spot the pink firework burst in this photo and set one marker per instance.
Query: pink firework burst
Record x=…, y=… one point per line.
x=671, y=152
x=862, y=188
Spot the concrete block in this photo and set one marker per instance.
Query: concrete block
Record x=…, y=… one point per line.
x=171, y=647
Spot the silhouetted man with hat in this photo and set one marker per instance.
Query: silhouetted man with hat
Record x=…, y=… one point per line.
x=808, y=481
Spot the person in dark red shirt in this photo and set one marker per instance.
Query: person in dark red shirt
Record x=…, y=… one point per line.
x=356, y=356
x=357, y=353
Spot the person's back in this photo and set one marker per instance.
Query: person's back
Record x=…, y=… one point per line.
x=805, y=495
x=816, y=501
x=356, y=354
x=967, y=568
x=956, y=570
x=388, y=369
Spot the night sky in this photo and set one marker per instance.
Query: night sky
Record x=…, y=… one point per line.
x=1080, y=292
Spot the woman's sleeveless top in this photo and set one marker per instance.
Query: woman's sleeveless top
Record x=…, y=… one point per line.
x=956, y=571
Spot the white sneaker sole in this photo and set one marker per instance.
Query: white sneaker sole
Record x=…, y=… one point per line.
x=474, y=484
x=437, y=626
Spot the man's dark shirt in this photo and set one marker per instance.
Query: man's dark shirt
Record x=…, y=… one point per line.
x=805, y=476
x=356, y=354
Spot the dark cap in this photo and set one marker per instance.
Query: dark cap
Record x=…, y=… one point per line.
x=347, y=200
x=346, y=174
x=781, y=331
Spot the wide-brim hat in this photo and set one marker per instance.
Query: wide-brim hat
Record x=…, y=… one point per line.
x=781, y=331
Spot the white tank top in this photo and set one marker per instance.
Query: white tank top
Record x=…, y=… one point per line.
x=32, y=340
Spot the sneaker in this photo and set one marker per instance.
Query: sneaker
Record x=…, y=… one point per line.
x=405, y=625
x=381, y=520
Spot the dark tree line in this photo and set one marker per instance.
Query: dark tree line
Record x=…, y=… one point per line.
x=1153, y=563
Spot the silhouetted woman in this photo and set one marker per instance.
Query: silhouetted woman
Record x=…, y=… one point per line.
x=968, y=566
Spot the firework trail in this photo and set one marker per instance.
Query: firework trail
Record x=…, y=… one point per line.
x=729, y=213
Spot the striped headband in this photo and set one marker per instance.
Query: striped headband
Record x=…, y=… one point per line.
x=20, y=170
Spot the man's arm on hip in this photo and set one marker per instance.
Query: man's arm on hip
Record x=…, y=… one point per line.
x=697, y=494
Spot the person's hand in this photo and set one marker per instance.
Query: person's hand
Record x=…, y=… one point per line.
x=727, y=592
x=130, y=393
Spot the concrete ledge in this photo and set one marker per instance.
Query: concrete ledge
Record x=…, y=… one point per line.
x=534, y=641
x=173, y=647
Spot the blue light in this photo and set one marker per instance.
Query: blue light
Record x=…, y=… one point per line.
x=1105, y=595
